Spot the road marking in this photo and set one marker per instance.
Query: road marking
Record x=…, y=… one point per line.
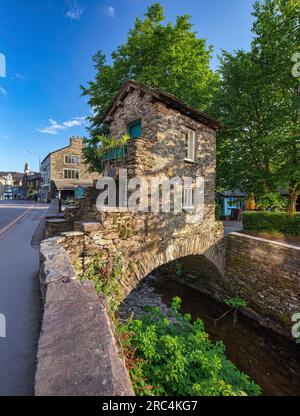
x=11, y=225
x=20, y=206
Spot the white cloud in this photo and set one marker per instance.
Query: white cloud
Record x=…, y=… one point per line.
x=18, y=77
x=3, y=91
x=111, y=11
x=75, y=11
x=54, y=127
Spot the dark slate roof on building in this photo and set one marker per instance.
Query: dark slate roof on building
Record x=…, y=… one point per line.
x=168, y=99
x=17, y=176
x=236, y=193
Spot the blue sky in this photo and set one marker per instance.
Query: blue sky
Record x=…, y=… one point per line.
x=48, y=45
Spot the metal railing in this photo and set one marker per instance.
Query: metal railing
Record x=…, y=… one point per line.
x=115, y=153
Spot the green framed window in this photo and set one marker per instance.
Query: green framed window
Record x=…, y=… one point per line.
x=135, y=129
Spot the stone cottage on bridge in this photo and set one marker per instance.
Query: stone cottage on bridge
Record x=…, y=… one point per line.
x=168, y=138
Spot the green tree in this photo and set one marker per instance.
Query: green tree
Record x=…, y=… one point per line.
x=166, y=56
x=258, y=101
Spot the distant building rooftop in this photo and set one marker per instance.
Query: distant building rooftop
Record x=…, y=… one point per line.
x=16, y=176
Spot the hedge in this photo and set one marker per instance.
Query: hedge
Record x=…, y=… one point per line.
x=271, y=221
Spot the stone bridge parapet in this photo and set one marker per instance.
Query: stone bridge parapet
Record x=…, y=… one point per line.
x=143, y=247
x=77, y=349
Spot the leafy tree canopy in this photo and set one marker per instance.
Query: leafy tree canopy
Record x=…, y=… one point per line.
x=258, y=101
x=166, y=56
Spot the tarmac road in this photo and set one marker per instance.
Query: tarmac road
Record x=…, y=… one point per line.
x=19, y=297
x=9, y=210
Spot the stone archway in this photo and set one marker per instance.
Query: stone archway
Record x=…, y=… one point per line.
x=151, y=255
x=145, y=241
x=194, y=275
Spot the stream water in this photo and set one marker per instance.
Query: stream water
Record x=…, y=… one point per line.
x=270, y=360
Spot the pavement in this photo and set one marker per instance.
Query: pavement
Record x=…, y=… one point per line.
x=232, y=226
x=19, y=295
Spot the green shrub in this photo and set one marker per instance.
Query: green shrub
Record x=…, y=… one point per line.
x=173, y=356
x=271, y=221
x=273, y=201
x=236, y=303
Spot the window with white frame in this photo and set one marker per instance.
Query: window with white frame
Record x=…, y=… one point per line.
x=188, y=197
x=71, y=173
x=71, y=160
x=190, y=145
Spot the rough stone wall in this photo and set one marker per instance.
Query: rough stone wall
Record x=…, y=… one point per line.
x=135, y=106
x=161, y=151
x=57, y=226
x=145, y=239
x=143, y=247
x=267, y=275
x=58, y=162
x=77, y=350
x=86, y=208
x=264, y=273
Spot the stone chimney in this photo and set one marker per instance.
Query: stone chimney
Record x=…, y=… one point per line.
x=76, y=140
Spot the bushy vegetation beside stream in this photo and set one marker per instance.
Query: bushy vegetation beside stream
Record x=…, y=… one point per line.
x=169, y=355
x=174, y=356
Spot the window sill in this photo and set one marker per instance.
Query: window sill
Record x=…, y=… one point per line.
x=188, y=209
x=191, y=161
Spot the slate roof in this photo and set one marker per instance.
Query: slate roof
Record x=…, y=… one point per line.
x=169, y=99
x=236, y=193
x=17, y=176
